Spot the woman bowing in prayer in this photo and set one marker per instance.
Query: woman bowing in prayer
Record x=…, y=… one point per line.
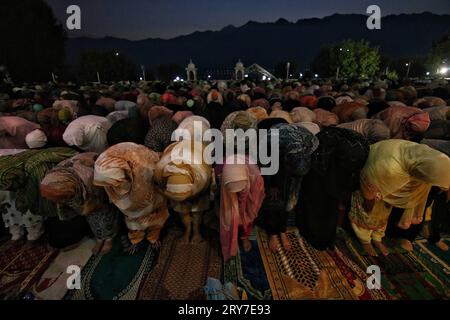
x=88, y=133
x=399, y=174
x=70, y=184
x=126, y=171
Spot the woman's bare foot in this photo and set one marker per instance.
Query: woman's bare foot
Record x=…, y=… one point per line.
x=380, y=246
x=274, y=243
x=370, y=250
x=405, y=244
x=107, y=246
x=98, y=247
x=247, y=245
x=441, y=245
x=155, y=245
x=285, y=241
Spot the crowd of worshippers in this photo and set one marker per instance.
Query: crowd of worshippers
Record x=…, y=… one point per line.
x=372, y=158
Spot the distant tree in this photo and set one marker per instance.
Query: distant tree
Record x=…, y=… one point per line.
x=31, y=40
x=439, y=56
x=281, y=69
x=111, y=66
x=168, y=72
x=355, y=59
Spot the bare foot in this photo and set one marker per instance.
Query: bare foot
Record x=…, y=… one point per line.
x=380, y=246
x=441, y=245
x=107, y=246
x=247, y=245
x=155, y=245
x=370, y=250
x=274, y=243
x=405, y=244
x=197, y=238
x=285, y=241
x=98, y=246
x=134, y=248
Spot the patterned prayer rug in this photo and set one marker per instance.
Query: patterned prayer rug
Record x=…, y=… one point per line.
x=246, y=270
x=21, y=263
x=303, y=273
x=404, y=276
x=52, y=285
x=182, y=269
x=437, y=260
x=115, y=275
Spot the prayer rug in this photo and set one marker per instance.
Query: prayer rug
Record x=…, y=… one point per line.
x=182, y=269
x=21, y=263
x=404, y=276
x=247, y=272
x=116, y=275
x=303, y=273
x=52, y=285
x=434, y=258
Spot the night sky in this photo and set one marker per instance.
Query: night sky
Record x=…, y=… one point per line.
x=140, y=19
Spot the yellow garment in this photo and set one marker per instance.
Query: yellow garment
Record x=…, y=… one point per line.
x=366, y=236
x=182, y=171
x=402, y=173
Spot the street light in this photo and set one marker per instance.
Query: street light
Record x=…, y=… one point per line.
x=117, y=54
x=316, y=75
x=428, y=73
x=408, y=64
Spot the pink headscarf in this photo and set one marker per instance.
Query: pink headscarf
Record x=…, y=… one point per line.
x=242, y=194
x=179, y=116
x=159, y=111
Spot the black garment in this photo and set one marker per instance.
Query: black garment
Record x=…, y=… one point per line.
x=215, y=113
x=414, y=230
x=440, y=211
x=128, y=130
x=63, y=234
x=438, y=129
x=334, y=175
x=290, y=104
x=376, y=106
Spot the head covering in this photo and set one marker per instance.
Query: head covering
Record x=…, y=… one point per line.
x=310, y=126
x=126, y=171
x=438, y=113
x=242, y=193
x=261, y=103
x=127, y=130
x=246, y=98
x=182, y=172
x=404, y=122
x=325, y=118
x=343, y=99
x=159, y=136
x=326, y=103
x=37, y=107
x=194, y=126
x=179, y=116
x=159, y=111
x=258, y=112
x=302, y=114
x=36, y=139
x=281, y=114
x=13, y=131
x=308, y=101
x=124, y=105
x=373, y=130
x=88, y=133
x=115, y=116
x=64, y=115
x=346, y=111
x=215, y=96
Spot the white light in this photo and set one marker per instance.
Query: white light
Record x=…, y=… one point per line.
x=340, y=49
x=301, y=75
x=140, y=78
x=443, y=70
x=182, y=79
x=290, y=75
x=177, y=78
x=407, y=64
x=268, y=79
x=264, y=78
x=428, y=73
x=246, y=76
x=117, y=53
x=209, y=76
x=316, y=75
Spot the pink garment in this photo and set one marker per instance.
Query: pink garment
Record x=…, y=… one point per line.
x=179, y=116
x=242, y=194
x=13, y=131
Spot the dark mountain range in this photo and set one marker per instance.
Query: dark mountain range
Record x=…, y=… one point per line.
x=270, y=43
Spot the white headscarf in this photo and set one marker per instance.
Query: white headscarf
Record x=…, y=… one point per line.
x=36, y=139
